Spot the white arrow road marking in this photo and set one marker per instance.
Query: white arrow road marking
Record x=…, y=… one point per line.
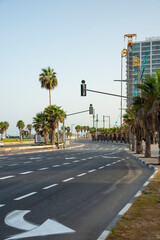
x=49, y=227
x=15, y=219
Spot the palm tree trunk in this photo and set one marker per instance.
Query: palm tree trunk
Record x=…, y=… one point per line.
x=148, y=145
x=139, y=146
x=159, y=147
x=50, y=97
x=53, y=136
x=133, y=140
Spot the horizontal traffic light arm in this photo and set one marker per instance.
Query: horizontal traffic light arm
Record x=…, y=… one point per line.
x=76, y=113
x=111, y=94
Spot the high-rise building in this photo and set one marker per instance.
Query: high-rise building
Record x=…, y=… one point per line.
x=143, y=57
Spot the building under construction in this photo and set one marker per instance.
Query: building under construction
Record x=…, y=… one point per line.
x=142, y=58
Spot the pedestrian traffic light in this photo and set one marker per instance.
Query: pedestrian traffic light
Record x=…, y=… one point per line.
x=90, y=109
x=83, y=88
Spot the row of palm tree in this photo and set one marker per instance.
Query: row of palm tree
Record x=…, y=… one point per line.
x=81, y=129
x=3, y=128
x=143, y=116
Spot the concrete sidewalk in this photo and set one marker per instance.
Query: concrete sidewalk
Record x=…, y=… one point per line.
x=154, y=154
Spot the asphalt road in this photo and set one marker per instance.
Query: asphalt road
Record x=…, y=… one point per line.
x=70, y=194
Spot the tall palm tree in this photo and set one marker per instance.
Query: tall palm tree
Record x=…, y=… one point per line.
x=20, y=125
x=6, y=127
x=54, y=114
x=29, y=127
x=48, y=80
x=40, y=125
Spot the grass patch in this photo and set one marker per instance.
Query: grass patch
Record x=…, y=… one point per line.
x=8, y=140
x=141, y=221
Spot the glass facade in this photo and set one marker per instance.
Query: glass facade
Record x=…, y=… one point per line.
x=148, y=53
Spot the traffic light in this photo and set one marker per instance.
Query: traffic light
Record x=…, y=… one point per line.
x=83, y=88
x=90, y=109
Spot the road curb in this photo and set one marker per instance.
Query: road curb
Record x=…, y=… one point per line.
x=107, y=231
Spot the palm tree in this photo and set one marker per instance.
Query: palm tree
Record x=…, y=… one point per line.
x=20, y=125
x=54, y=114
x=29, y=127
x=78, y=129
x=68, y=131
x=129, y=118
x=6, y=127
x=2, y=129
x=48, y=80
x=149, y=93
x=40, y=125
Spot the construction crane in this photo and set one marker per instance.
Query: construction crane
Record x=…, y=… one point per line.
x=130, y=37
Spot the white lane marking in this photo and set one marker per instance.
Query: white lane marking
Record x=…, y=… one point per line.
x=50, y=158
x=13, y=164
x=27, y=162
x=114, y=162
x=69, y=157
x=101, y=167
x=15, y=219
x=68, y=179
x=56, y=165
x=35, y=157
x=24, y=196
x=84, y=159
x=23, y=173
x=146, y=183
x=6, y=177
x=125, y=209
x=93, y=170
x=41, y=169
x=82, y=174
x=90, y=157
x=107, y=165
x=66, y=163
x=50, y=186
x=2, y=205
x=119, y=161
x=76, y=161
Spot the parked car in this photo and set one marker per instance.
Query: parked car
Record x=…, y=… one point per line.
x=1, y=144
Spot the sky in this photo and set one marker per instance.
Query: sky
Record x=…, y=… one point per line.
x=80, y=40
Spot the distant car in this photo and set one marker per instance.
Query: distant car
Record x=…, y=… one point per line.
x=1, y=144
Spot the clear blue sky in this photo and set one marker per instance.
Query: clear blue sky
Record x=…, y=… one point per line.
x=79, y=39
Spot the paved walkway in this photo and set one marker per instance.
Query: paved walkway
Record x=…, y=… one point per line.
x=154, y=154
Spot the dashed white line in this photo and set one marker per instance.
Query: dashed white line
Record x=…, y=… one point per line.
x=93, y=170
x=101, y=167
x=23, y=173
x=50, y=186
x=82, y=174
x=41, y=169
x=24, y=196
x=68, y=179
x=83, y=159
x=56, y=165
x=125, y=209
x=6, y=177
x=2, y=205
x=76, y=161
x=13, y=164
x=107, y=165
x=65, y=163
x=27, y=162
x=114, y=162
